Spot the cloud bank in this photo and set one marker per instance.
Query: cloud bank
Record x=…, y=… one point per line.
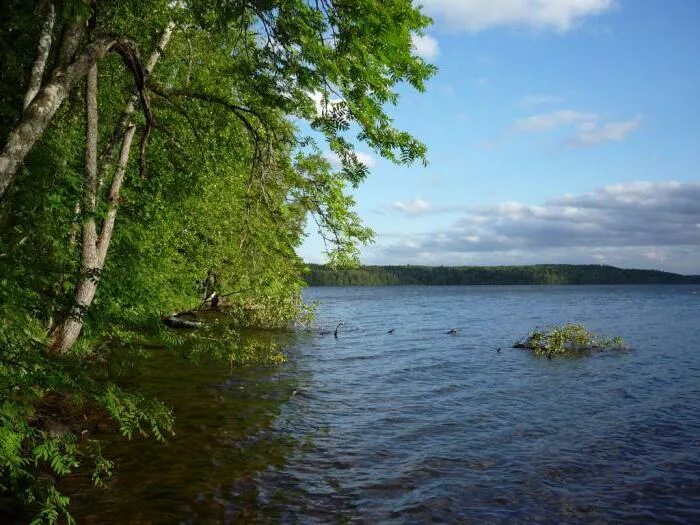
x=639, y=224
x=476, y=15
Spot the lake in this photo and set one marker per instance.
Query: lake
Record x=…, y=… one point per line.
x=420, y=426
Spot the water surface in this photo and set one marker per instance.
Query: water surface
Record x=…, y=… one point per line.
x=420, y=426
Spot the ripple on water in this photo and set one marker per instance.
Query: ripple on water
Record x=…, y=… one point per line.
x=453, y=430
x=419, y=426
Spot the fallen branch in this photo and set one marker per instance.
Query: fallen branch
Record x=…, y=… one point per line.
x=174, y=321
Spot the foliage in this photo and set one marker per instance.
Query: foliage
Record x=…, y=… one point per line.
x=128, y=410
x=43, y=402
x=568, y=339
x=50, y=406
x=248, y=99
x=319, y=275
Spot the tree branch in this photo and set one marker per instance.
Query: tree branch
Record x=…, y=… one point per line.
x=113, y=199
x=42, y=54
x=43, y=107
x=239, y=111
x=125, y=119
x=70, y=39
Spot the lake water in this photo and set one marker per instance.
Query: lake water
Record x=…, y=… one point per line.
x=419, y=426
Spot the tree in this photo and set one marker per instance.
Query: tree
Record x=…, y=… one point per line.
x=320, y=61
x=302, y=54
x=42, y=99
x=100, y=239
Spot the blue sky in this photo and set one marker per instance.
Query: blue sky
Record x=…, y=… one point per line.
x=559, y=131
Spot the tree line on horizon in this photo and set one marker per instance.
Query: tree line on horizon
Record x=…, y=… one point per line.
x=540, y=274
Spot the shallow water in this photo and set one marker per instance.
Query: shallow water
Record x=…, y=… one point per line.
x=420, y=426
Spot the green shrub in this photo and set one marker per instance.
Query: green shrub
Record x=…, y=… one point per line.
x=569, y=339
x=47, y=402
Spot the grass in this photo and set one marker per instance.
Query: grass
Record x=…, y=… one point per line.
x=570, y=339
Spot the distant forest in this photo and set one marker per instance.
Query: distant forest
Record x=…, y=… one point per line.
x=321, y=275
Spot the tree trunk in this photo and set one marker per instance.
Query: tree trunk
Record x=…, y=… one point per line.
x=67, y=333
x=42, y=55
x=113, y=205
x=70, y=40
x=41, y=110
x=95, y=249
x=29, y=130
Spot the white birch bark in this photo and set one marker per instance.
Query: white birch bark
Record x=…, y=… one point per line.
x=94, y=253
x=67, y=333
x=41, y=110
x=113, y=204
x=42, y=55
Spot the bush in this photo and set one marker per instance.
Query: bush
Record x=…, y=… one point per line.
x=568, y=339
x=47, y=403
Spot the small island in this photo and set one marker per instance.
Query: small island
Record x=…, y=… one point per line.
x=570, y=339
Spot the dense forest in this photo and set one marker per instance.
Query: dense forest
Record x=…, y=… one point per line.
x=154, y=153
x=319, y=275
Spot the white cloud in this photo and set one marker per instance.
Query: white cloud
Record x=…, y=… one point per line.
x=323, y=105
x=333, y=158
x=365, y=158
x=477, y=15
x=636, y=224
x=415, y=206
x=592, y=133
x=588, y=128
x=426, y=47
x=554, y=119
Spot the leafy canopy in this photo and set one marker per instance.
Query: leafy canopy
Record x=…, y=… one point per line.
x=230, y=182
